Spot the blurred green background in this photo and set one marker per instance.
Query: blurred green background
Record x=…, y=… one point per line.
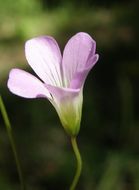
x=109, y=135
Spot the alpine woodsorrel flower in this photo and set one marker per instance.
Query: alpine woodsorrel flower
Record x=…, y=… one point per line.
x=61, y=79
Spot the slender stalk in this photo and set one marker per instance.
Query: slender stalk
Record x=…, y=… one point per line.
x=11, y=139
x=79, y=163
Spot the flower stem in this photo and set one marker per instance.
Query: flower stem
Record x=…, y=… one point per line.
x=79, y=163
x=11, y=139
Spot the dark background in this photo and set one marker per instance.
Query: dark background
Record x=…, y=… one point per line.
x=109, y=135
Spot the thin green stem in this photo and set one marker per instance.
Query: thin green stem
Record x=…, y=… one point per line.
x=79, y=163
x=11, y=139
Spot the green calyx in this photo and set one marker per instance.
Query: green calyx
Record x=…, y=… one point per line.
x=70, y=116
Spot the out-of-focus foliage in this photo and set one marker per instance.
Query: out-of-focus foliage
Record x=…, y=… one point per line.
x=109, y=135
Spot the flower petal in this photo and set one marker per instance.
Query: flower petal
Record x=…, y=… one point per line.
x=62, y=93
x=26, y=85
x=76, y=54
x=79, y=78
x=68, y=104
x=44, y=56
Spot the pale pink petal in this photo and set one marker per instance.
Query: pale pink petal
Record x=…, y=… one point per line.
x=26, y=85
x=76, y=54
x=62, y=93
x=68, y=104
x=79, y=78
x=44, y=56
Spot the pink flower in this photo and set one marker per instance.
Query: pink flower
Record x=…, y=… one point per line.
x=61, y=78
